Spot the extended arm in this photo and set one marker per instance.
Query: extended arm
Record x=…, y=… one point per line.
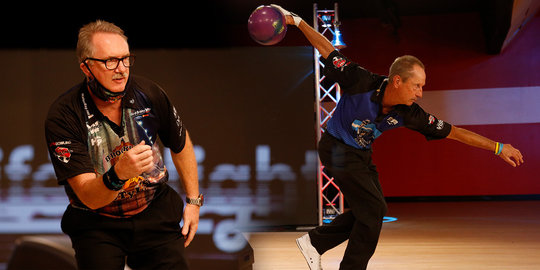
x=509, y=154
x=186, y=165
x=320, y=42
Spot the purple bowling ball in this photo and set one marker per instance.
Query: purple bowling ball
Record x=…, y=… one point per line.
x=267, y=25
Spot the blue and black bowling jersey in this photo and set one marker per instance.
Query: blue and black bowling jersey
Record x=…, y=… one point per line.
x=82, y=140
x=358, y=120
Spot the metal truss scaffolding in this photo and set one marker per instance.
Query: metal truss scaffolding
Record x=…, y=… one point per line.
x=331, y=201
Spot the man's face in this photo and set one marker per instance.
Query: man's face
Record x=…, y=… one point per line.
x=106, y=46
x=411, y=89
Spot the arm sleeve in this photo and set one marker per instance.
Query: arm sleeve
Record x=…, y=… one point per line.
x=68, y=150
x=351, y=77
x=172, y=130
x=427, y=124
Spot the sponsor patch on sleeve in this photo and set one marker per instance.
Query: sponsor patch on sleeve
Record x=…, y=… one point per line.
x=431, y=119
x=439, y=123
x=61, y=151
x=339, y=62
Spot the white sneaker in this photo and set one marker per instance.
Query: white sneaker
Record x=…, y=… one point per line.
x=313, y=258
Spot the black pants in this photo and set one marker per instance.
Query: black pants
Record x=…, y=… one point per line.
x=357, y=178
x=149, y=240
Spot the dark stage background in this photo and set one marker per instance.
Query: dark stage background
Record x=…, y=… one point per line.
x=250, y=108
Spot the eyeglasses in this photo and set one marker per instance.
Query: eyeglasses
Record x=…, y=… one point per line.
x=113, y=62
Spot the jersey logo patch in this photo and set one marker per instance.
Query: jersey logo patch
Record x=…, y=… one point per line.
x=392, y=121
x=339, y=62
x=366, y=132
x=431, y=119
x=440, y=124
x=62, y=153
x=118, y=151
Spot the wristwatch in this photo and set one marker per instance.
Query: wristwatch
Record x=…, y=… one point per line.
x=198, y=201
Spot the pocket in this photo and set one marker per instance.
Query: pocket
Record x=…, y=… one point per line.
x=167, y=206
x=74, y=220
x=177, y=204
x=66, y=222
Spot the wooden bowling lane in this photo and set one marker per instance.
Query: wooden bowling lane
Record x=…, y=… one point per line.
x=430, y=235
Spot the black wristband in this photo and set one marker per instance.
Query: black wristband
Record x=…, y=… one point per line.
x=111, y=180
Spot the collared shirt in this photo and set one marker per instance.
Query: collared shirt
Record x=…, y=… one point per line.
x=82, y=140
x=358, y=119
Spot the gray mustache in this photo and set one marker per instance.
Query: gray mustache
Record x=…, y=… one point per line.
x=120, y=75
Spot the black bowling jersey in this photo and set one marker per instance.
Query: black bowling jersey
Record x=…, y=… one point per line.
x=358, y=120
x=81, y=139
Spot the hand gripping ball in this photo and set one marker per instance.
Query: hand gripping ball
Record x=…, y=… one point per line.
x=267, y=25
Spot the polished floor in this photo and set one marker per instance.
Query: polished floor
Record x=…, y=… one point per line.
x=430, y=235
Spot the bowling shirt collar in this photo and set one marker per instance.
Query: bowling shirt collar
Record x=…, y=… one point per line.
x=128, y=101
x=378, y=94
